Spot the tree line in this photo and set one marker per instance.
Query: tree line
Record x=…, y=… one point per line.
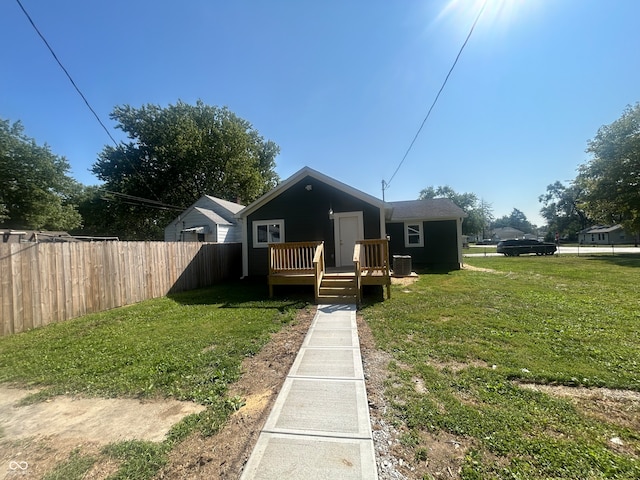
x=605, y=191
x=175, y=154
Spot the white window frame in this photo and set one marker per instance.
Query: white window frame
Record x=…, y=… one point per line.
x=407, y=234
x=260, y=223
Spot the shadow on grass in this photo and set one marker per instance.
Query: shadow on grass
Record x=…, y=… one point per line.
x=621, y=260
x=436, y=270
x=240, y=294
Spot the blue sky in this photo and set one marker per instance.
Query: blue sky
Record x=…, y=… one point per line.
x=342, y=86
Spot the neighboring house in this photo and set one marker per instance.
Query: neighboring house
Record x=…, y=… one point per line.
x=210, y=219
x=430, y=231
x=604, y=235
x=506, y=233
x=310, y=206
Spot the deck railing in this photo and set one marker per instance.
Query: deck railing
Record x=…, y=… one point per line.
x=303, y=263
x=357, y=254
x=318, y=263
x=296, y=262
x=371, y=264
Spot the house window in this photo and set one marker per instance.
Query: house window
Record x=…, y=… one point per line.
x=267, y=231
x=413, y=235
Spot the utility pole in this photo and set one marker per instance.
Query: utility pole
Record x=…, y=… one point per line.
x=383, y=187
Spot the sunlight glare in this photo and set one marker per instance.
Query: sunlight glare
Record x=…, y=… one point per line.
x=498, y=15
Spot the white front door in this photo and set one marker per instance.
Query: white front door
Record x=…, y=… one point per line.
x=349, y=227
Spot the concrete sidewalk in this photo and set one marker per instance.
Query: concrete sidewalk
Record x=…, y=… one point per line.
x=319, y=426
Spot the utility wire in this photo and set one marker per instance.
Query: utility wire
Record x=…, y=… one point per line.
x=140, y=201
x=385, y=185
x=159, y=204
x=66, y=72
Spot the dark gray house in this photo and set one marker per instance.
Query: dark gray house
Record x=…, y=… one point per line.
x=430, y=231
x=310, y=206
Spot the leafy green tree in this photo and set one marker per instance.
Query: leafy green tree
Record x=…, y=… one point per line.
x=479, y=214
x=563, y=209
x=611, y=179
x=174, y=156
x=35, y=189
x=516, y=219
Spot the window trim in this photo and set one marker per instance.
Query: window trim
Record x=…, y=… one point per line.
x=258, y=223
x=420, y=234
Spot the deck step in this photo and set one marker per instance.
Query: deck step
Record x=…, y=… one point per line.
x=338, y=289
x=340, y=299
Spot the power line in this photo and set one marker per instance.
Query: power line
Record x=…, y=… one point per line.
x=89, y=106
x=385, y=185
x=67, y=73
x=139, y=201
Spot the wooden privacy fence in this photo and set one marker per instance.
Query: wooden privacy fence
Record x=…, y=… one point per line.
x=43, y=283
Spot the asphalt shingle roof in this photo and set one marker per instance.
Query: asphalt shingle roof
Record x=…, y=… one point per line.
x=430, y=209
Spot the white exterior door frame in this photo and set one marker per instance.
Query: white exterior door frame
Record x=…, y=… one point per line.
x=345, y=240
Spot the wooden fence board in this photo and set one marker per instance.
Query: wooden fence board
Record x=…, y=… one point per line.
x=6, y=291
x=52, y=282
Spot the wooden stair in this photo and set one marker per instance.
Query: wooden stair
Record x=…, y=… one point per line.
x=338, y=289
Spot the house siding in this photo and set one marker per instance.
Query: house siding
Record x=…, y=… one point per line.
x=440, y=244
x=220, y=233
x=192, y=219
x=606, y=236
x=229, y=234
x=306, y=218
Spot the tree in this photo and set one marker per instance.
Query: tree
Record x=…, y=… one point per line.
x=563, y=210
x=35, y=189
x=177, y=154
x=516, y=219
x=478, y=215
x=611, y=179
x=485, y=216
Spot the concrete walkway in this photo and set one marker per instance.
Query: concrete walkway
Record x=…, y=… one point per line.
x=319, y=427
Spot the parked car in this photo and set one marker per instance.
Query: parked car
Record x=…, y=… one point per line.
x=515, y=247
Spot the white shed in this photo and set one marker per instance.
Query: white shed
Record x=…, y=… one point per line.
x=210, y=219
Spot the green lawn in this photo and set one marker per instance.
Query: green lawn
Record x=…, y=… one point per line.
x=472, y=337
x=188, y=346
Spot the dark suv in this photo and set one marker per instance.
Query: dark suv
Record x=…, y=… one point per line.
x=513, y=248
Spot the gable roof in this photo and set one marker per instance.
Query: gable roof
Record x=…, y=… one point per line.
x=213, y=216
x=429, y=209
x=219, y=211
x=299, y=175
x=227, y=205
x=601, y=229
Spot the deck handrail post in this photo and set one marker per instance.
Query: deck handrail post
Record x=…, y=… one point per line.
x=318, y=264
x=357, y=252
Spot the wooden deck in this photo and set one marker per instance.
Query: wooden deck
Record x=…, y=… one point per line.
x=302, y=263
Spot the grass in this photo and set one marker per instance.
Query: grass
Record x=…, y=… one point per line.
x=74, y=468
x=188, y=346
x=473, y=337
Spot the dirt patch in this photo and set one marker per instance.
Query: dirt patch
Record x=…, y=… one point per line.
x=223, y=456
x=620, y=407
x=478, y=269
x=35, y=438
x=405, y=280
